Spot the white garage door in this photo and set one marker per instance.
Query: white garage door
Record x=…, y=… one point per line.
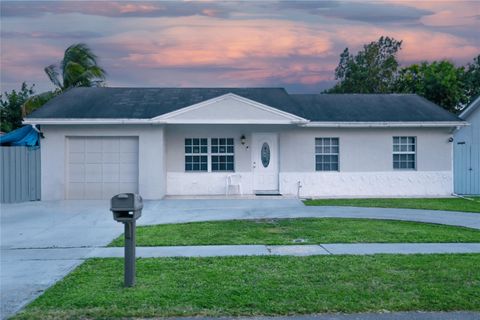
x=100, y=167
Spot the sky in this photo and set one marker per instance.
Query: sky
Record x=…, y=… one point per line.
x=295, y=45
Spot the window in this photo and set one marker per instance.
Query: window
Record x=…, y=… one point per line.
x=219, y=155
x=404, y=149
x=222, y=154
x=196, y=154
x=326, y=154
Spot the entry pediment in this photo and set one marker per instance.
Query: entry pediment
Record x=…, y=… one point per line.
x=230, y=109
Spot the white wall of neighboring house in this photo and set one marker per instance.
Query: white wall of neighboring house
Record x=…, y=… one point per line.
x=467, y=155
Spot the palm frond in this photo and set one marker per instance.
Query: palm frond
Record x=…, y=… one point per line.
x=72, y=76
x=36, y=101
x=53, y=75
x=80, y=68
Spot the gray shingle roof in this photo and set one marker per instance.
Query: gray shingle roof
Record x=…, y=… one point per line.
x=147, y=103
x=371, y=107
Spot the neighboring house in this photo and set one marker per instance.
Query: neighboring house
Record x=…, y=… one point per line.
x=467, y=152
x=185, y=141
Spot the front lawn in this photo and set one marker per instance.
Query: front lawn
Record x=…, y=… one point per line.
x=300, y=231
x=448, y=204
x=235, y=286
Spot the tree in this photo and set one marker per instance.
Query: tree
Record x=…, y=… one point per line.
x=37, y=101
x=439, y=82
x=10, y=107
x=471, y=80
x=372, y=70
x=78, y=68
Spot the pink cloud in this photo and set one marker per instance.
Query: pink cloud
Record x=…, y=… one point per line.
x=250, y=50
x=112, y=8
x=198, y=48
x=134, y=7
x=435, y=46
x=271, y=49
x=418, y=45
x=222, y=43
x=447, y=13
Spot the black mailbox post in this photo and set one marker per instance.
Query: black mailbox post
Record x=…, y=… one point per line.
x=127, y=208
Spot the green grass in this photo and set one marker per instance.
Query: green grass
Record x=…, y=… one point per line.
x=237, y=286
x=448, y=204
x=286, y=231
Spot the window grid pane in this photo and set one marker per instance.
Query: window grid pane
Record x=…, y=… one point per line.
x=223, y=154
x=326, y=154
x=196, y=154
x=404, y=153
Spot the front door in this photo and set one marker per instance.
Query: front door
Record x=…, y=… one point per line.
x=265, y=162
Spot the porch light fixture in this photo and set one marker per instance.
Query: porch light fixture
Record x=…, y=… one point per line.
x=243, y=139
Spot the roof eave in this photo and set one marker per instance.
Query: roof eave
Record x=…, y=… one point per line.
x=470, y=108
x=384, y=124
x=77, y=121
x=301, y=123
x=106, y=121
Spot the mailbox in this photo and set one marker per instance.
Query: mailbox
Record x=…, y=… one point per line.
x=126, y=207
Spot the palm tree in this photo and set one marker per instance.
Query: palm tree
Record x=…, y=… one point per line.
x=78, y=68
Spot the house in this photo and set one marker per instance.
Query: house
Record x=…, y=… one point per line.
x=186, y=141
x=467, y=152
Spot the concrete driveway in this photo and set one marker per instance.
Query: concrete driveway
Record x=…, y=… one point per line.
x=78, y=227
x=27, y=227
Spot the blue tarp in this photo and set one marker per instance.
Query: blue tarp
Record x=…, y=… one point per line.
x=24, y=136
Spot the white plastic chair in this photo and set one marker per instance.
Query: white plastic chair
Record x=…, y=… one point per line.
x=233, y=180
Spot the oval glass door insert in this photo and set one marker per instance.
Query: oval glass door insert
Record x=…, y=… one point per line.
x=265, y=154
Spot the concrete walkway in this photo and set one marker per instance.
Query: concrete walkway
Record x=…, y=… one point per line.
x=79, y=254
x=290, y=250
x=41, y=242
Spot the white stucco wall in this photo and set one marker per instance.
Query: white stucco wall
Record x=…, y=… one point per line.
x=366, y=149
x=367, y=184
x=366, y=167
x=180, y=182
x=152, y=180
x=229, y=109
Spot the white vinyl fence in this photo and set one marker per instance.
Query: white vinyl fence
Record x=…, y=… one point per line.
x=19, y=174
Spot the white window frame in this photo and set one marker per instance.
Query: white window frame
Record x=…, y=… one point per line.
x=406, y=144
x=192, y=154
x=218, y=153
x=209, y=155
x=327, y=154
